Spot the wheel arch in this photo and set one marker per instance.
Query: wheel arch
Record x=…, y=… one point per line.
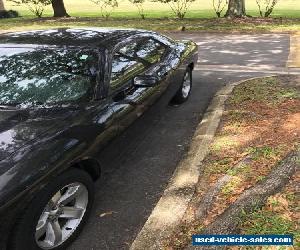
x=89, y=165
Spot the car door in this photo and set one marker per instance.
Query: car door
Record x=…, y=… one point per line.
x=137, y=57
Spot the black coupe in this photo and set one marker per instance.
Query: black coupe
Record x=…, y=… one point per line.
x=64, y=94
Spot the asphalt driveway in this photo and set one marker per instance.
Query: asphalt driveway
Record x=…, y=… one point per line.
x=139, y=164
x=263, y=51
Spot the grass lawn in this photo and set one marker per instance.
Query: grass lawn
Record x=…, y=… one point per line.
x=159, y=24
x=198, y=9
x=200, y=17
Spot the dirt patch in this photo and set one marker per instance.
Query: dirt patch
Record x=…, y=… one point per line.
x=260, y=128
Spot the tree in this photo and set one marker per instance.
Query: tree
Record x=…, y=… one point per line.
x=37, y=7
x=140, y=5
x=59, y=8
x=236, y=8
x=106, y=6
x=219, y=6
x=179, y=7
x=2, y=7
x=266, y=7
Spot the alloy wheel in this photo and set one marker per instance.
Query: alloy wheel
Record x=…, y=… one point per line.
x=61, y=216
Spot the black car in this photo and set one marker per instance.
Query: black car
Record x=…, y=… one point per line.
x=64, y=94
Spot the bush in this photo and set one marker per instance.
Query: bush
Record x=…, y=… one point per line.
x=8, y=14
x=219, y=6
x=266, y=7
x=179, y=7
x=140, y=5
x=37, y=7
x=106, y=6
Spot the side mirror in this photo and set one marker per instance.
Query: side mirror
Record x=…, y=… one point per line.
x=145, y=81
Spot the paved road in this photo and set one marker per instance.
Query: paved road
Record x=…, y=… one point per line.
x=269, y=50
x=141, y=161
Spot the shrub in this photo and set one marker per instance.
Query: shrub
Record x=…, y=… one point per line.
x=219, y=6
x=140, y=5
x=37, y=7
x=106, y=6
x=8, y=14
x=266, y=7
x=179, y=7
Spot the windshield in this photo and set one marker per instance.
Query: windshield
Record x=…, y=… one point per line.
x=32, y=74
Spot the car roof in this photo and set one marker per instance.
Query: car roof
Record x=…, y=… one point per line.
x=106, y=37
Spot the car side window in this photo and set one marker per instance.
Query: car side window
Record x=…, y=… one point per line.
x=134, y=58
x=148, y=50
x=124, y=67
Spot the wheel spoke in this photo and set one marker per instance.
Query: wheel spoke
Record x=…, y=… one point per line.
x=71, y=212
x=186, y=86
x=53, y=233
x=42, y=225
x=71, y=193
x=55, y=199
x=57, y=231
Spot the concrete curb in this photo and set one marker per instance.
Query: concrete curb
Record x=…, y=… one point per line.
x=294, y=56
x=170, y=209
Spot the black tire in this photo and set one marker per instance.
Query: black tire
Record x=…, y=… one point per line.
x=24, y=231
x=181, y=96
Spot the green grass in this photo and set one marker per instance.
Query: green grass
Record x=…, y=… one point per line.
x=231, y=186
x=159, y=24
x=198, y=9
x=244, y=169
x=218, y=166
x=200, y=17
x=265, y=152
x=268, y=222
x=267, y=91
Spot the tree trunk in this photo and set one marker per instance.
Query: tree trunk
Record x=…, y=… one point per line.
x=255, y=197
x=59, y=8
x=2, y=5
x=236, y=8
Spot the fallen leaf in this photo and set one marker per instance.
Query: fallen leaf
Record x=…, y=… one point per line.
x=107, y=213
